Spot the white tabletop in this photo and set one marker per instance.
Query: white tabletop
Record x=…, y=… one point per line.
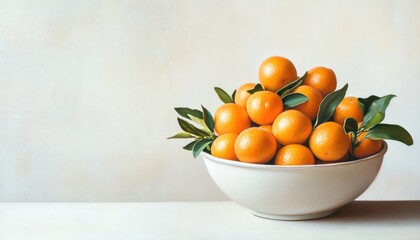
x=201, y=220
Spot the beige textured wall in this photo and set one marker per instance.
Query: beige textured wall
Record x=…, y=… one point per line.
x=87, y=87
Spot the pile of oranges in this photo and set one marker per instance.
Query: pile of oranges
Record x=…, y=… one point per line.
x=257, y=126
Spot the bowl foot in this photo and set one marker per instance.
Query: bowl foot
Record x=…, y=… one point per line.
x=297, y=217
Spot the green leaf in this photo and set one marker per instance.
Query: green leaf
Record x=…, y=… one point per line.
x=208, y=118
x=294, y=99
x=202, y=124
x=378, y=117
x=258, y=87
x=350, y=125
x=182, y=135
x=190, y=145
x=366, y=102
x=389, y=131
x=233, y=95
x=376, y=112
x=291, y=86
x=199, y=121
x=184, y=112
x=200, y=146
x=223, y=95
x=329, y=104
x=191, y=128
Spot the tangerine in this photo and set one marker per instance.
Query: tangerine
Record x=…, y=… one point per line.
x=255, y=145
x=329, y=142
x=291, y=126
x=294, y=154
x=367, y=147
x=321, y=78
x=224, y=146
x=310, y=107
x=231, y=118
x=242, y=94
x=263, y=107
x=276, y=72
x=349, y=107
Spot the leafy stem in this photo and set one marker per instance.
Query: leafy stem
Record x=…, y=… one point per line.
x=196, y=124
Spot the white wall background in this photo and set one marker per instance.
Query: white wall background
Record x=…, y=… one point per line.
x=87, y=87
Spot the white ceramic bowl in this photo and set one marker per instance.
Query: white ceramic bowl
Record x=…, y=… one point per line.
x=294, y=192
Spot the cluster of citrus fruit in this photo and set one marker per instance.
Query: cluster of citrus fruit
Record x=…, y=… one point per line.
x=290, y=120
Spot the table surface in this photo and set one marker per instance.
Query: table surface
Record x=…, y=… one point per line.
x=202, y=220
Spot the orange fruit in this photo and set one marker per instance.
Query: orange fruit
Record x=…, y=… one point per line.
x=309, y=108
x=242, y=94
x=269, y=128
x=329, y=142
x=321, y=78
x=276, y=72
x=348, y=108
x=367, y=147
x=231, y=118
x=343, y=159
x=291, y=126
x=294, y=154
x=224, y=146
x=263, y=107
x=255, y=145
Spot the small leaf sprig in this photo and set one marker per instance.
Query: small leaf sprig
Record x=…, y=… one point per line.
x=198, y=125
x=372, y=127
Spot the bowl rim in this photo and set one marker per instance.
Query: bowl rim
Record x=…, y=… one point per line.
x=265, y=166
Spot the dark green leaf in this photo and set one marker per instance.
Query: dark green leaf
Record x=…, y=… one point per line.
x=208, y=118
x=389, y=131
x=294, y=99
x=223, y=95
x=329, y=104
x=185, y=111
x=376, y=119
x=376, y=112
x=233, y=95
x=200, y=122
x=190, y=145
x=200, y=146
x=350, y=125
x=291, y=86
x=207, y=149
x=191, y=128
x=258, y=87
x=366, y=102
x=182, y=135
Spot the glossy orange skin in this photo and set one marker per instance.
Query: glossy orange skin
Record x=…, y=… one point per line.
x=291, y=127
x=294, y=154
x=321, y=78
x=242, y=94
x=224, y=146
x=263, y=107
x=309, y=108
x=231, y=118
x=276, y=72
x=269, y=128
x=348, y=108
x=367, y=147
x=255, y=145
x=329, y=142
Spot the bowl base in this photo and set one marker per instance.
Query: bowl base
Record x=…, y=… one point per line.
x=297, y=217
